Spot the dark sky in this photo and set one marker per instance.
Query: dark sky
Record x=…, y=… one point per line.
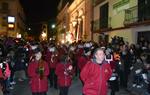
x=40, y=10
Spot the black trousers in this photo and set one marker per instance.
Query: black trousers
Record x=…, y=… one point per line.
x=63, y=90
x=12, y=74
x=39, y=93
x=53, y=78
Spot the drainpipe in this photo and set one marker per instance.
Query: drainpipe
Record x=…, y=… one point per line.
x=92, y=19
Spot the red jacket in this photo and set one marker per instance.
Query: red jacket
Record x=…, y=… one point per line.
x=1, y=73
x=37, y=84
x=82, y=60
x=52, y=60
x=64, y=80
x=94, y=77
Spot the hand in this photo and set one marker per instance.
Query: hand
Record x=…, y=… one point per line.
x=65, y=73
x=70, y=67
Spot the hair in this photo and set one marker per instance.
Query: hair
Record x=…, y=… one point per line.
x=63, y=58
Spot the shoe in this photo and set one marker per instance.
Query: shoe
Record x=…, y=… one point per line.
x=6, y=92
x=139, y=86
x=13, y=83
x=20, y=79
x=133, y=85
x=11, y=87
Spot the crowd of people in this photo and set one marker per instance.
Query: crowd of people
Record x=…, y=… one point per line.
x=98, y=66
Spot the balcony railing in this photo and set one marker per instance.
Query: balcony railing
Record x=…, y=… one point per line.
x=136, y=16
x=131, y=15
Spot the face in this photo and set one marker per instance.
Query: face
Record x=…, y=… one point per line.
x=100, y=56
x=38, y=56
x=52, y=49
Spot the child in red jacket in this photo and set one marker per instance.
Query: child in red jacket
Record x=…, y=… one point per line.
x=38, y=71
x=64, y=72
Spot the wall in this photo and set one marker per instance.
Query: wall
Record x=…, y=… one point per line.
x=117, y=14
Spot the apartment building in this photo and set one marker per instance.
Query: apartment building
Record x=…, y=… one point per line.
x=12, y=18
x=129, y=19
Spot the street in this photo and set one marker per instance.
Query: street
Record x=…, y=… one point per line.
x=22, y=88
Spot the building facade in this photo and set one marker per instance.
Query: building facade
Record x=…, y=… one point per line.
x=129, y=19
x=63, y=34
x=80, y=20
x=15, y=25
x=74, y=21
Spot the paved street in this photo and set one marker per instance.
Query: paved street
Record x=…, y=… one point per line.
x=22, y=88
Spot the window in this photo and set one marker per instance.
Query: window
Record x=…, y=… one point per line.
x=143, y=10
x=104, y=16
x=4, y=6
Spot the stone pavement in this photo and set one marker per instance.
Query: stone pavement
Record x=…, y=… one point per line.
x=22, y=88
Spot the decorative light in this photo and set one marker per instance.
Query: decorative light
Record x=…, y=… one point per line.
x=69, y=38
x=79, y=19
x=62, y=41
x=43, y=34
x=18, y=35
x=83, y=16
x=53, y=26
x=64, y=26
x=29, y=29
x=11, y=26
x=74, y=23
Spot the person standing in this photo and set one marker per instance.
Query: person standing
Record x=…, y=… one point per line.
x=95, y=74
x=1, y=81
x=38, y=71
x=64, y=71
x=52, y=59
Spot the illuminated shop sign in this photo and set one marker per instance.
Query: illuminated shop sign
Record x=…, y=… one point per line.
x=11, y=19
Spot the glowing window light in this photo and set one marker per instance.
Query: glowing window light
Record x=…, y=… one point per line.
x=11, y=26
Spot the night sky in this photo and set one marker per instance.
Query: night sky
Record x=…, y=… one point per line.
x=38, y=11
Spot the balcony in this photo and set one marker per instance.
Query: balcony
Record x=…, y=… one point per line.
x=134, y=16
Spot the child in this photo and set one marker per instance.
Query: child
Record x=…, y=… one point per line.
x=64, y=72
x=38, y=71
x=1, y=82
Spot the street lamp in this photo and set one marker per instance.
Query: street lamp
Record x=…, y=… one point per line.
x=29, y=29
x=53, y=26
